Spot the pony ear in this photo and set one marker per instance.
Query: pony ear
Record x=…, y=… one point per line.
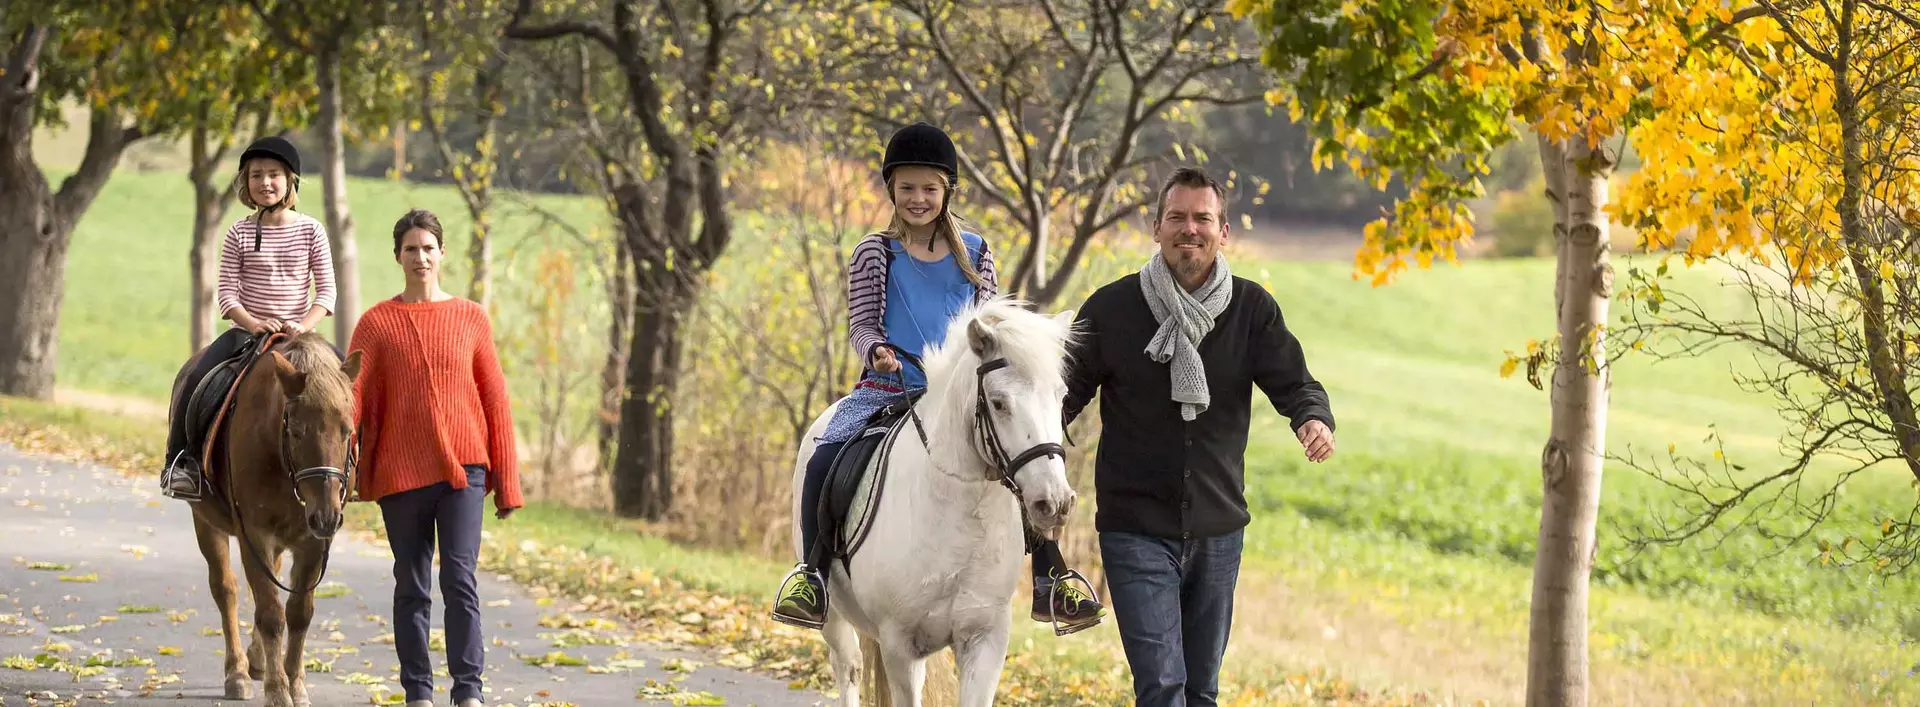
x=351, y=366
x=980, y=338
x=292, y=381
x=1064, y=318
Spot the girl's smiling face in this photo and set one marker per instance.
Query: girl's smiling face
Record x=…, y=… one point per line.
x=919, y=192
x=266, y=181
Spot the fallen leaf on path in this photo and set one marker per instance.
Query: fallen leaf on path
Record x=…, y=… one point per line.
x=89, y=577
x=49, y=566
x=140, y=609
x=552, y=659
x=616, y=666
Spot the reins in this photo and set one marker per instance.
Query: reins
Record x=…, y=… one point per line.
x=285, y=452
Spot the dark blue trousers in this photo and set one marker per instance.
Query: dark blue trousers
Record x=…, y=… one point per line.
x=1173, y=600
x=413, y=519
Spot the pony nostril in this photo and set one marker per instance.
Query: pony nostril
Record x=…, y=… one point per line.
x=1044, y=508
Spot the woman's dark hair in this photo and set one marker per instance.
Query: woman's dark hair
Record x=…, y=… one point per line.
x=422, y=219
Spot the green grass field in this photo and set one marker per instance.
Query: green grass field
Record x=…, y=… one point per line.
x=1402, y=564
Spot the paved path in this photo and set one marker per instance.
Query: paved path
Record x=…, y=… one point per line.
x=140, y=546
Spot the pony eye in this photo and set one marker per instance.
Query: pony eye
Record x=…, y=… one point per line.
x=999, y=405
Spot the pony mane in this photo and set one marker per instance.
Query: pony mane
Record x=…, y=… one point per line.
x=326, y=383
x=1034, y=345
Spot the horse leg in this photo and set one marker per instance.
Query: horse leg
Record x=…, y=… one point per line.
x=843, y=652
x=980, y=658
x=306, y=565
x=906, y=670
x=269, y=623
x=226, y=595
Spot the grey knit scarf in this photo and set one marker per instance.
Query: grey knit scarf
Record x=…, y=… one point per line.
x=1185, y=318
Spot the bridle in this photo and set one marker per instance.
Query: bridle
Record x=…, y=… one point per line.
x=321, y=473
x=345, y=476
x=1004, y=466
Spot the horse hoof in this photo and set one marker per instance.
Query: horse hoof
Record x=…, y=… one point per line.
x=239, y=689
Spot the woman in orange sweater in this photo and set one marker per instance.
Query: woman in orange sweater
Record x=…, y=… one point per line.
x=435, y=437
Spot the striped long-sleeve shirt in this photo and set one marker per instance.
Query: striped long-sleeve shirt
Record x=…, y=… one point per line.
x=291, y=271
x=867, y=288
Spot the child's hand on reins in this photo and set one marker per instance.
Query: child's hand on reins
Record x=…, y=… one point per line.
x=884, y=362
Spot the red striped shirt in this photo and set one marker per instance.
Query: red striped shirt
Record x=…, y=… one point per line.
x=290, y=272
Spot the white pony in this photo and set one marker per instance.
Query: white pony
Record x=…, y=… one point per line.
x=944, y=553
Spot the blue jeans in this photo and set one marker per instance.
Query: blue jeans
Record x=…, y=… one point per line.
x=412, y=517
x=1173, y=601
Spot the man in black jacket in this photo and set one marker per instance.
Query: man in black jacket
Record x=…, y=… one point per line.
x=1174, y=352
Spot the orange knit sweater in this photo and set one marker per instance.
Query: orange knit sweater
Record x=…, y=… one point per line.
x=430, y=397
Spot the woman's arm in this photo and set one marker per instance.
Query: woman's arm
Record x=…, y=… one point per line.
x=503, y=460
x=369, y=394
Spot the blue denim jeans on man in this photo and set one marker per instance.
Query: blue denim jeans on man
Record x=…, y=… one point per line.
x=1173, y=601
x=412, y=518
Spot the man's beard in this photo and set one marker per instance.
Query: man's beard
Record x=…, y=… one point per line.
x=1191, y=264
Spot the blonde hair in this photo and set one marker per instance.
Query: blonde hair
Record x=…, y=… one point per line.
x=290, y=201
x=946, y=226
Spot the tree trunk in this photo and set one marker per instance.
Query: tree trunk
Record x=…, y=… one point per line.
x=1571, y=463
x=1879, y=322
x=613, y=376
x=36, y=227
x=210, y=202
x=642, y=474
x=339, y=221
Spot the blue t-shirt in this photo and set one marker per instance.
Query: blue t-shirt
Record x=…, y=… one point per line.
x=922, y=299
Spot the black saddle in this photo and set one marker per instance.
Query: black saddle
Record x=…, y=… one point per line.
x=211, y=400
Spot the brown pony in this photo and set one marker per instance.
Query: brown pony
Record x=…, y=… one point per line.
x=279, y=473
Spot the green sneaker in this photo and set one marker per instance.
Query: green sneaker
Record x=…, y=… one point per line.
x=1059, y=601
x=803, y=599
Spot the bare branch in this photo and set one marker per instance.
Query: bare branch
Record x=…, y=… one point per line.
x=516, y=30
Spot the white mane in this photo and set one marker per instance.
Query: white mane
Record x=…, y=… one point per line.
x=1034, y=345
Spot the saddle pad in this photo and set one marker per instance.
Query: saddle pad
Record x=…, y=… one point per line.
x=859, y=483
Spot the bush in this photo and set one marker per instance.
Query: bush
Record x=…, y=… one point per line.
x=1522, y=223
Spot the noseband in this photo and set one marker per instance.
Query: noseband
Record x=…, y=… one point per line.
x=1004, y=466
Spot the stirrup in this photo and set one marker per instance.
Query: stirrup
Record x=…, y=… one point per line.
x=173, y=474
x=801, y=573
x=1062, y=627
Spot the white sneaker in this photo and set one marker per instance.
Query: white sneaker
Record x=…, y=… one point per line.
x=470, y=702
x=420, y=703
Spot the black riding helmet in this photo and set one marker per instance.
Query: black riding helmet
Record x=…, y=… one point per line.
x=921, y=144
x=275, y=147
